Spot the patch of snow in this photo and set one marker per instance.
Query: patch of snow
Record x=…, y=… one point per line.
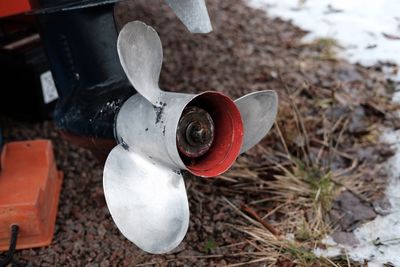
x=368, y=32
x=379, y=240
x=360, y=26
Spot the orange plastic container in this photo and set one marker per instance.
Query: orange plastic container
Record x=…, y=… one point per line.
x=13, y=7
x=29, y=191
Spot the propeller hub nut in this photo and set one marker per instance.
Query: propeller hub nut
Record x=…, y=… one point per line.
x=198, y=134
x=195, y=133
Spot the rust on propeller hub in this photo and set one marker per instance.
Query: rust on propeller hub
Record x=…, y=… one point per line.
x=195, y=133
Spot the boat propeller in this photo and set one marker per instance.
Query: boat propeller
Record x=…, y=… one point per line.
x=161, y=133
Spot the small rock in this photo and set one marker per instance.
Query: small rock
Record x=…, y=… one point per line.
x=348, y=211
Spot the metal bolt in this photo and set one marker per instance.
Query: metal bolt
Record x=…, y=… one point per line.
x=195, y=132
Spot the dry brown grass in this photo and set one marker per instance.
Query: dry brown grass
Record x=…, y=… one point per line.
x=294, y=189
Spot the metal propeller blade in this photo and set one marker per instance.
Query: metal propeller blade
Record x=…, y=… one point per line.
x=141, y=55
x=160, y=133
x=193, y=13
x=258, y=111
x=147, y=201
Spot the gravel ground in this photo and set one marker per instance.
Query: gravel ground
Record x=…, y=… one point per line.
x=242, y=54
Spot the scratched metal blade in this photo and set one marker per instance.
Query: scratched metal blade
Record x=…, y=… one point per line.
x=147, y=201
x=193, y=13
x=141, y=55
x=258, y=111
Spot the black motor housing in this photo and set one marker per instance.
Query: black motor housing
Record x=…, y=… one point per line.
x=80, y=39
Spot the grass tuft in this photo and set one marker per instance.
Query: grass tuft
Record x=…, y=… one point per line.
x=327, y=47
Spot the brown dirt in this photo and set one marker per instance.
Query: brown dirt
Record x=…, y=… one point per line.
x=247, y=51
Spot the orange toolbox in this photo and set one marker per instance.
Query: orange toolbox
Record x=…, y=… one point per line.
x=29, y=191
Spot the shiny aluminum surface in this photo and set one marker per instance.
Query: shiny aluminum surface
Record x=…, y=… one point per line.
x=151, y=131
x=193, y=13
x=140, y=52
x=147, y=201
x=258, y=111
